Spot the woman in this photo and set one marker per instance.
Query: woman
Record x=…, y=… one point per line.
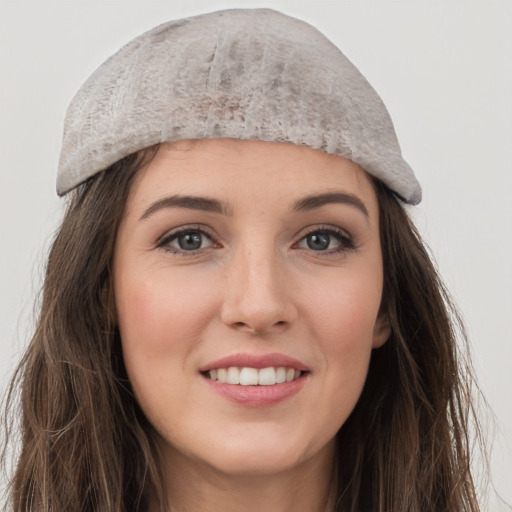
x=237, y=311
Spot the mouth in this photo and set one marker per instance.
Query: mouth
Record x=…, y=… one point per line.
x=256, y=380
x=248, y=376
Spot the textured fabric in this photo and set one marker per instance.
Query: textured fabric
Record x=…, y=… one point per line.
x=242, y=74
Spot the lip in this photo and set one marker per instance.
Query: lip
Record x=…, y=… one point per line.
x=257, y=396
x=256, y=361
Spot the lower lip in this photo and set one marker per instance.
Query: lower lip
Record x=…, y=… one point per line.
x=257, y=396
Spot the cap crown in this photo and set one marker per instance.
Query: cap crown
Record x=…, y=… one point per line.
x=244, y=74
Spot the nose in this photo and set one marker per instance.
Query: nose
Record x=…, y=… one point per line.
x=258, y=297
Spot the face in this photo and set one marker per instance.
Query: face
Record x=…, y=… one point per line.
x=259, y=265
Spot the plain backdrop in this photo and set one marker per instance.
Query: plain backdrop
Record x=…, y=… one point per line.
x=444, y=70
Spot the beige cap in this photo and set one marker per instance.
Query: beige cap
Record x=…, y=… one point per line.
x=243, y=74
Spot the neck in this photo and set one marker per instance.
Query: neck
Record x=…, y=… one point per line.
x=193, y=486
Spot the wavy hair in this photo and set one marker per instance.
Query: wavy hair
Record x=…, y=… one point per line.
x=86, y=446
x=407, y=444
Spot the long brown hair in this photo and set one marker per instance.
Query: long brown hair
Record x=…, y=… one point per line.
x=406, y=445
x=86, y=446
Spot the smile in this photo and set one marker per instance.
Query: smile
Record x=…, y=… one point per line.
x=256, y=380
x=248, y=376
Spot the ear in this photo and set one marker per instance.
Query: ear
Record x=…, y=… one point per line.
x=381, y=330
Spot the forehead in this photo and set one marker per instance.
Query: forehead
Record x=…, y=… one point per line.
x=248, y=174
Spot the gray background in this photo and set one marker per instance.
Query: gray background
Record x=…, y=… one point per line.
x=443, y=68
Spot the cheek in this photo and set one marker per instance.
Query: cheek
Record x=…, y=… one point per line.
x=345, y=334
x=344, y=311
x=160, y=330
x=159, y=308
x=159, y=327
x=343, y=321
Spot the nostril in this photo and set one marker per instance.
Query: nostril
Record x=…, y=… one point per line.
x=259, y=328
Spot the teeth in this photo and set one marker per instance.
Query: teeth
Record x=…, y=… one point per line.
x=281, y=375
x=267, y=377
x=253, y=376
x=248, y=376
x=233, y=376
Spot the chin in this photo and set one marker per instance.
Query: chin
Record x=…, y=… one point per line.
x=257, y=460
x=271, y=457
x=263, y=453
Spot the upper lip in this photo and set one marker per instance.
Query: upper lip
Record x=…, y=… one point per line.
x=255, y=361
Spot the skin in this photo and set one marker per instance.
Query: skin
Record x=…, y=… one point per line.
x=254, y=286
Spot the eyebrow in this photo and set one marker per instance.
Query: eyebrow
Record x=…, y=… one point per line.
x=316, y=201
x=191, y=202
x=213, y=205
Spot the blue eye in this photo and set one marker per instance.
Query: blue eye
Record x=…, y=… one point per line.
x=186, y=240
x=318, y=241
x=327, y=240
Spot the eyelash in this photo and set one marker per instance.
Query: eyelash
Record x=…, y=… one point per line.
x=343, y=238
x=164, y=241
x=346, y=242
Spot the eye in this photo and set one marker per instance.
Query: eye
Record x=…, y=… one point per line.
x=327, y=240
x=185, y=240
